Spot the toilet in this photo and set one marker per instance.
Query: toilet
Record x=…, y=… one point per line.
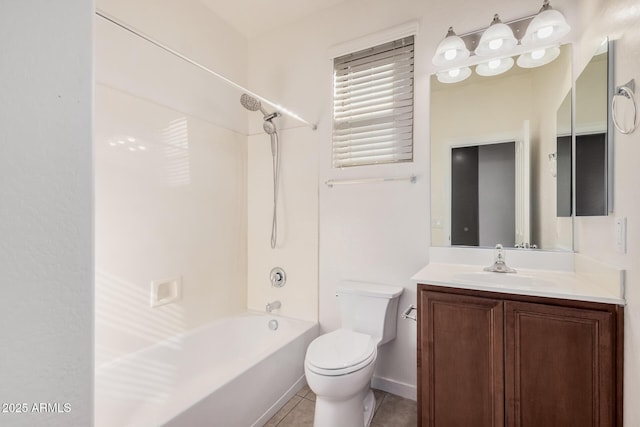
x=339, y=365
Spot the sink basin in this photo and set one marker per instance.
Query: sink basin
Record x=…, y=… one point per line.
x=502, y=279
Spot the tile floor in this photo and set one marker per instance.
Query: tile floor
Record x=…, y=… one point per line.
x=391, y=411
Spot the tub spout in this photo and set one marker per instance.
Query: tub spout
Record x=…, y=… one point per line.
x=275, y=305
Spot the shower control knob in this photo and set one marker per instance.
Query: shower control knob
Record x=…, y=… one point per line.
x=278, y=277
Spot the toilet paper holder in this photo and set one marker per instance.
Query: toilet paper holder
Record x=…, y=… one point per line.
x=407, y=313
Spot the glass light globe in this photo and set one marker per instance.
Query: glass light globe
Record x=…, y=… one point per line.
x=497, y=39
x=494, y=64
x=548, y=26
x=545, y=32
x=538, y=58
x=494, y=67
x=537, y=54
x=450, y=50
x=495, y=44
x=450, y=54
x=454, y=75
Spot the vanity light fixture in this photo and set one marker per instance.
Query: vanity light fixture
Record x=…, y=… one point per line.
x=454, y=75
x=547, y=27
x=498, y=43
x=538, y=57
x=451, y=50
x=493, y=67
x=497, y=39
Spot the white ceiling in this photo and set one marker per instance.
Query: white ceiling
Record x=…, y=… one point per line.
x=252, y=17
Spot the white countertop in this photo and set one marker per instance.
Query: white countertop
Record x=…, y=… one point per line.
x=583, y=286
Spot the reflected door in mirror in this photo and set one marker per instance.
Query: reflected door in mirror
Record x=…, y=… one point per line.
x=591, y=174
x=464, y=196
x=483, y=195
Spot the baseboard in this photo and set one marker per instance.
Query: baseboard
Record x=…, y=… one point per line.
x=408, y=391
x=281, y=402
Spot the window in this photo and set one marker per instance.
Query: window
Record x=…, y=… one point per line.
x=373, y=105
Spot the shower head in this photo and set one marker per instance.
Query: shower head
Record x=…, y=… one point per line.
x=269, y=127
x=251, y=103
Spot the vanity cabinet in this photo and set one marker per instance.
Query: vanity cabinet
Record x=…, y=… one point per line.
x=493, y=359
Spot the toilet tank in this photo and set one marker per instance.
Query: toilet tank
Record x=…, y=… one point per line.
x=369, y=308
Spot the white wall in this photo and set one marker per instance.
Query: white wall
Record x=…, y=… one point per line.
x=595, y=235
x=46, y=250
x=175, y=208
x=372, y=232
x=380, y=232
x=297, y=244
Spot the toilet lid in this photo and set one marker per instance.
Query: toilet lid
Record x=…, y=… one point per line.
x=340, y=352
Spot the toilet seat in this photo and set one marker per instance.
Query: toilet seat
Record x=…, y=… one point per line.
x=340, y=352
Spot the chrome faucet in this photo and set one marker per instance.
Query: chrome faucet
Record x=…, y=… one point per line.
x=275, y=305
x=499, y=263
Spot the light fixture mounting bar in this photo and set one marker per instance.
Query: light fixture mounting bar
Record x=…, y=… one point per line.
x=519, y=27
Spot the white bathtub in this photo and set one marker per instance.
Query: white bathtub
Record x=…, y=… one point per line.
x=235, y=372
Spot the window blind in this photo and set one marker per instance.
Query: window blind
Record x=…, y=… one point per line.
x=373, y=105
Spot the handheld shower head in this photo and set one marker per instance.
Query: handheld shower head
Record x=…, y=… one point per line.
x=253, y=104
x=269, y=127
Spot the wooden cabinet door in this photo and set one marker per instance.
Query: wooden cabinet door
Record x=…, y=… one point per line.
x=460, y=361
x=559, y=366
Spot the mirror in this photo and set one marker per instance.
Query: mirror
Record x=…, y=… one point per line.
x=499, y=132
x=591, y=136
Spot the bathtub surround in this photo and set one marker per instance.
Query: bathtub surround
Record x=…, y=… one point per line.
x=148, y=72
x=170, y=176
x=297, y=247
x=193, y=379
x=171, y=208
x=46, y=243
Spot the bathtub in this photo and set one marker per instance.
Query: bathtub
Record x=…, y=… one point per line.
x=236, y=372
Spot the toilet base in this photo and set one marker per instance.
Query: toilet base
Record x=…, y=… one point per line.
x=354, y=412
x=369, y=408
